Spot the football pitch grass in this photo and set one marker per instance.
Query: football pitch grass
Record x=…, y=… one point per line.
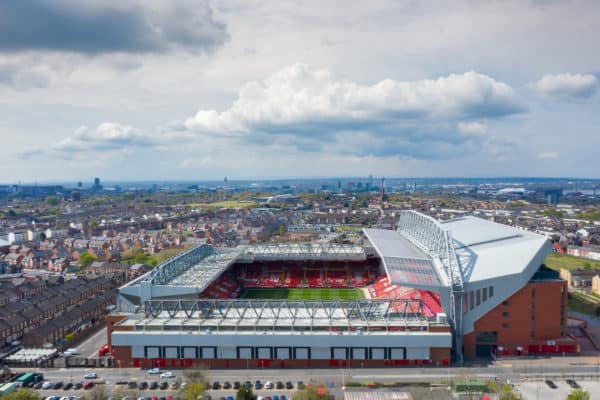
x=303, y=294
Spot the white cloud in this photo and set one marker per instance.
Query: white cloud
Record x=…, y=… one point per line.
x=472, y=128
x=301, y=98
x=567, y=85
x=549, y=155
x=107, y=136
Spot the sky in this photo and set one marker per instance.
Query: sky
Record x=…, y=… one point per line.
x=198, y=90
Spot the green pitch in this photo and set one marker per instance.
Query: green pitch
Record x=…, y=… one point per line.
x=303, y=294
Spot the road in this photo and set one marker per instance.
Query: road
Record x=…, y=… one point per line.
x=89, y=347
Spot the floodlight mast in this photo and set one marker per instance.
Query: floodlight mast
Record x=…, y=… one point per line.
x=432, y=238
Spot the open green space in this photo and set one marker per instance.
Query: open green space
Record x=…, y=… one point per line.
x=226, y=204
x=558, y=261
x=583, y=304
x=303, y=294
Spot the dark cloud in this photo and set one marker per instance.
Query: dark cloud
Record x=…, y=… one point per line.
x=77, y=26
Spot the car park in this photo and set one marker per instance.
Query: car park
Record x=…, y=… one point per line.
x=551, y=384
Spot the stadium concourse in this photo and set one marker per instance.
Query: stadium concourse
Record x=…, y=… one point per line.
x=426, y=293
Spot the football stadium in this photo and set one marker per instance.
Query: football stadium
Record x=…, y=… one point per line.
x=426, y=293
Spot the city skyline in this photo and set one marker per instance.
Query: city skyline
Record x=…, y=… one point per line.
x=198, y=91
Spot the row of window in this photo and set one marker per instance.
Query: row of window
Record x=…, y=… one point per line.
x=282, y=353
x=476, y=297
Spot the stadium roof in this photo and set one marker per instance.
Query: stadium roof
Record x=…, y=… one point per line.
x=260, y=314
x=487, y=250
x=323, y=251
x=404, y=262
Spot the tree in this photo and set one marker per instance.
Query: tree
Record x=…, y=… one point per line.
x=86, y=259
x=245, y=393
x=21, y=394
x=99, y=392
x=52, y=200
x=579, y=394
x=197, y=375
x=312, y=392
x=193, y=391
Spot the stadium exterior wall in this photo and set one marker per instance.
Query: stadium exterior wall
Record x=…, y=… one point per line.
x=536, y=314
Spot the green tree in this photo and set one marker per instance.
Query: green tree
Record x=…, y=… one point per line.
x=312, y=392
x=21, y=394
x=245, y=393
x=506, y=392
x=52, y=200
x=93, y=223
x=86, y=259
x=193, y=391
x=579, y=394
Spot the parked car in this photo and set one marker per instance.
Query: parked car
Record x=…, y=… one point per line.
x=68, y=386
x=289, y=385
x=279, y=385
x=57, y=385
x=551, y=384
x=154, y=371
x=258, y=385
x=163, y=385
x=216, y=385
x=573, y=383
x=173, y=385
x=77, y=385
x=88, y=385
x=38, y=385
x=143, y=385
x=300, y=385
x=269, y=385
x=132, y=385
x=91, y=375
x=153, y=385
x=248, y=384
x=167, y=375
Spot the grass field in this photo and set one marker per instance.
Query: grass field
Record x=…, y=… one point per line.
x=303, y=294
x=558, y=261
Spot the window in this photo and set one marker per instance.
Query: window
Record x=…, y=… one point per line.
x=505, y=325
x=484, y=294
x=505, y=303
x=533, y=293
x=478, y=296
x=505, y=314
x=491, y=291
x=471, y=300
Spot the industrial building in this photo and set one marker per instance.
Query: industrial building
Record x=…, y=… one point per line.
x=426, y=293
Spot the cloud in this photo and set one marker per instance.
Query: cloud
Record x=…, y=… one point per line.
x=549, y=155
x=95, y=27
x=20, y=77
x=565, y=86
x=107, y=136
x=472, y=128
x=312, y=108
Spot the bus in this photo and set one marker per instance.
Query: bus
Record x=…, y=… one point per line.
x=25, y=379
x=8, y=388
